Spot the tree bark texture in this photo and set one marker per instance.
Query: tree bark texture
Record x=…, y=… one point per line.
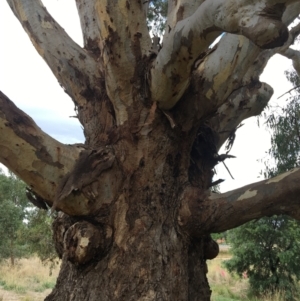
x=134, y=206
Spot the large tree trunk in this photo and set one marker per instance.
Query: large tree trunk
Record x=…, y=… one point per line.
x=134, y=247
x=135, y=208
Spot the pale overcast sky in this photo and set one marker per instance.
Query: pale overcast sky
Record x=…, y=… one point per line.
x=26, y=79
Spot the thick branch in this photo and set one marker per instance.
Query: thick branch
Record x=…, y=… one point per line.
x=259, y=22
x=57, y=173
x=76, y=70
x=125, y=43
x=219, y=212
x=215, y=81
x=30, y=153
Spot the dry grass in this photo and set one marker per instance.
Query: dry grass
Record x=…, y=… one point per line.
x=225, y=287
x=228, y=287
x=27, y=275
x=30, y=280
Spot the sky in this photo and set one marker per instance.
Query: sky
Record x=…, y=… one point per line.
x=26, y=79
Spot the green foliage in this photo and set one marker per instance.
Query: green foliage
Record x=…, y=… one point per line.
x=24, y=229
x=220, y=236
x=12, y=213
x=267, y=250
x=157, y=14
x=285, y=140
x=38, y=235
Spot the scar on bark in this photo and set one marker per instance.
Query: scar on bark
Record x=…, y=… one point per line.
x=87, y=169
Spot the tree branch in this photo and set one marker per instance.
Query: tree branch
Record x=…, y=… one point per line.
x=30, y=153
x=90, y=27
x=200, y=214
x=125, y=44
x=215, y=81
x=75, y=69
x=179, y=10
x=243, y=103
x=294, y=55
x=192, y=36
x=57, y=173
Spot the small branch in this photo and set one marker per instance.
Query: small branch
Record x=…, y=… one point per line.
x=75, y=69
x=217, y=182
x=289, y=91
x=200, y=214
x=228, y=170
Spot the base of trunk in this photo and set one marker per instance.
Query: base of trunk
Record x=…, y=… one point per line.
x=157, y=263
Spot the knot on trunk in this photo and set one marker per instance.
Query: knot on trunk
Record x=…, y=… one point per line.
x=84, y=242
x=210, y=248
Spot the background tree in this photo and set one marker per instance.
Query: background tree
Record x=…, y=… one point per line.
x=268, y=249
x=12, y=209
x=136, y=211
x=37, y=235
x=25, y=230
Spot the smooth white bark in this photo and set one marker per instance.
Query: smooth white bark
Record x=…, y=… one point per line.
x=190, y=37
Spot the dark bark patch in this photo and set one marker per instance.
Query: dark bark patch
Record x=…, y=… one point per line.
x=35, y=199
x=32, y=34
x=93, y=47
x=210, y=248
x=60, y=225
x=87, y=169
x=136, y=46
x=179, y=15
x=207, y=31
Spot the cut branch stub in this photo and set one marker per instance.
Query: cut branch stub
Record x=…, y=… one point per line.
x=84, y=242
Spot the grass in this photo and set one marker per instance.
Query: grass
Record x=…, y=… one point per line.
x=28, y=274
x=225, y=287
x=30, y=278
x=230, y=287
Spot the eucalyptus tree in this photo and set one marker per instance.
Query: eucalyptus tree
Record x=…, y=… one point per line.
x=135, y=209
x=12, y=212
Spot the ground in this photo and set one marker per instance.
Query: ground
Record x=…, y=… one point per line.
x=28, y=296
